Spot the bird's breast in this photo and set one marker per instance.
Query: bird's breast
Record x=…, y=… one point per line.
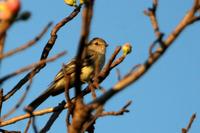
x=86, y=73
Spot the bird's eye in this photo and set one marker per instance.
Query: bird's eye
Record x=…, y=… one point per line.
x=96, y=43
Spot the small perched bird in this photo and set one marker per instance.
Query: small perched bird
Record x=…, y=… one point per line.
x=93, y=58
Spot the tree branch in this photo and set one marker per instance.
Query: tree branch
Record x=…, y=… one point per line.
x=132, y=77
x=34, y=65
x=186, y=130
x=28, y=44
x=45, y=52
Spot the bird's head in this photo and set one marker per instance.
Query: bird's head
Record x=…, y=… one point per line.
x=98, y=45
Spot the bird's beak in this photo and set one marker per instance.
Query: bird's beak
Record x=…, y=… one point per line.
x=107, y=45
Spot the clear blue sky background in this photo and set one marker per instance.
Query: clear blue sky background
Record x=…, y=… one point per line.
x=163, y=99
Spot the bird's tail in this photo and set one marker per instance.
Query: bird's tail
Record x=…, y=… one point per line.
x=39, y=100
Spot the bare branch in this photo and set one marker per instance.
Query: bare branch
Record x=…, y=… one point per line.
x=159, y=41
x=2, y=41
x=86, y=21
x=34, y=113
x=67, y=78
x=186, y=21
x=53, y=117
x=142, y=69
x=28, y=44
x=28, y=125
x=120, y=112
x=1, y=100
x=151, y=12
x=6, y=131
x=117, y=62
x=4, y=27
x=108, y=67
x=186, y=130
x=118, y=74
x=101, y=77
x=89, y=124
x=35, y=129
x=19, y=103
x=67, y=96
x=29, y=67
x=81, y=112
x=45, y=52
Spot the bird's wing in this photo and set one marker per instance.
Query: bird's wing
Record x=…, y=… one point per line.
x=70, y=67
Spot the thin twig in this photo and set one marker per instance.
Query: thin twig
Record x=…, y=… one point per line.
x=69, y=112
x=28, y=125
x=2, y=43
x=6, y=131
x=28, y=44
x=159, y=41
x=192, y=118
x=133, y=69
x=35, y=129
x=19, y=103
x=81, y=115
x=89, y=124
x=86, y=21
x=100, y=113
x=118, y=74
x=1, y=100
x=53, y=117
x=45, y=53
x=4, y=27
x=91, y=87
x=84, y=92
x=103, y=90
x=135, y=75
x=81, y=112
x=34, y=113
x=29, y=67
x=67, y=85
x=151, y=12
x=105, y=71
x=120, y=112
x=67, y=96
x=118, y=61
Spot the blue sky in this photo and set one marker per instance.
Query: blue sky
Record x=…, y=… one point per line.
x=163, y=99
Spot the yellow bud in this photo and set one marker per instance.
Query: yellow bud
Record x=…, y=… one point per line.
x=82, y=1
x=70, y=2
x=126, y=48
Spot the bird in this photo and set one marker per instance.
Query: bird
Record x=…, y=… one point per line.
x=93, y=58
